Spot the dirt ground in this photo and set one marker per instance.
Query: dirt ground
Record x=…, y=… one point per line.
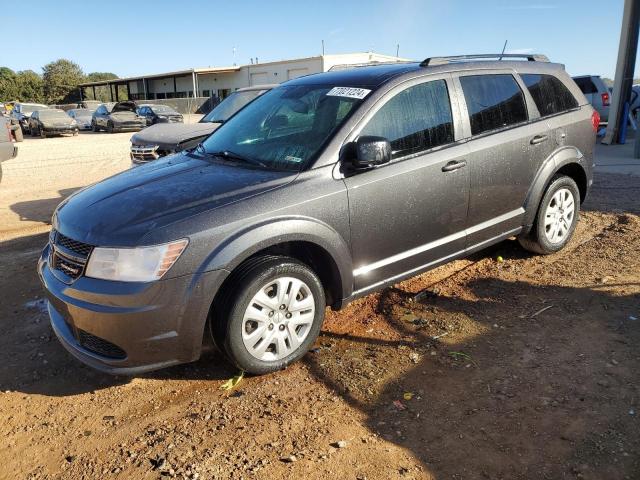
x=527, y=368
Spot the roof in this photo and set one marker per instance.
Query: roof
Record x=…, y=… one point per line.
x=374, y=76
x=367, y=76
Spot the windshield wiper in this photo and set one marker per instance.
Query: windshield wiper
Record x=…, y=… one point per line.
x=229, y=155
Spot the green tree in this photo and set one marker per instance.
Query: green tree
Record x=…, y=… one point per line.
x=30, y=86
x=8, y=85
x=60, y=80
x=99, y=76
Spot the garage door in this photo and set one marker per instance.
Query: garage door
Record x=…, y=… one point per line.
x=259, y=78
x=296, y=72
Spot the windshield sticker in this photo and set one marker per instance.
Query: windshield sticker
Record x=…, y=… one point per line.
x=289, y=158
x=350, y=92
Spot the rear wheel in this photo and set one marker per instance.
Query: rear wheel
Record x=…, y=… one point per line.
x=269, y=315
x=556, y=218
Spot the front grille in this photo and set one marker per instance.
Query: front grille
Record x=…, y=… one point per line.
x=100, y=345
x=68, y=256
x=73, y=245
x=144, y=153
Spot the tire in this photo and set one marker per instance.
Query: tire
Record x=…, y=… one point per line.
x=554, y=223
x=19, y=136
x=94, y=127
x=76, y=132
x=238, y=314
x=110, y=128
x=43, y=134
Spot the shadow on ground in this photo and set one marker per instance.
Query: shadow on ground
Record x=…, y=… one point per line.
x=41, y=210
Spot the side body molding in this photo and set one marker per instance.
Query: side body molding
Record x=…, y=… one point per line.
x=240, y=245
x=558, y=159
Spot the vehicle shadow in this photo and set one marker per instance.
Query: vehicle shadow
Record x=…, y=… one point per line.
x=41, y=210
x=487, y=387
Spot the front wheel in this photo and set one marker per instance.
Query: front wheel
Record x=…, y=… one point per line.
x=269, y=315
x=556, y=219
x=110, y=128
x=94, y=126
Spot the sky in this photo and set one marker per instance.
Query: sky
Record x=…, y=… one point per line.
x=137, y=37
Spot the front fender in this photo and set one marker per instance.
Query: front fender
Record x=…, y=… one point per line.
x=558, y=159
x=248, y=241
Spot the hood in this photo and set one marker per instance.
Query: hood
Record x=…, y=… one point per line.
x=57, y=121
x=124, y=114
x=122, y=209
x=172, y=133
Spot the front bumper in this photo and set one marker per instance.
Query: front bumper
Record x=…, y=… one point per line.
x=127, y=328
x=129, y=126
x=59, y=130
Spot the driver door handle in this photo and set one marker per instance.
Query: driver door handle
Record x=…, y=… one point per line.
x=454, y=165
x=538, y=139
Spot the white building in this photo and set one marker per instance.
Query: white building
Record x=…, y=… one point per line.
x=221, y=81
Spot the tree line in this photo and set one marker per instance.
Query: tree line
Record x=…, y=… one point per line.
x=58, y=83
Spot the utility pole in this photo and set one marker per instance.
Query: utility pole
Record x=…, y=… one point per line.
x=397, y=50
x=323, y=48
x=623, y=79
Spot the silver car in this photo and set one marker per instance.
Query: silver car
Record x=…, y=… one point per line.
x=597, y=93
x=82, y=116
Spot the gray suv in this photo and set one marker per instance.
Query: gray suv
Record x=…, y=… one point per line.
x=322, y=190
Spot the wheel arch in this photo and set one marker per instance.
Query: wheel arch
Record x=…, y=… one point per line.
x=567, y=161
x=308, y=240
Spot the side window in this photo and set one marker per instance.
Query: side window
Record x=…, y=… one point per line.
x=586, y=85
x=549, y=94
x=416, y=119
x=493, y=102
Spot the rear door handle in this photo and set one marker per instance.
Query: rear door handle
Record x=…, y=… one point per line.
x=454, y=165
x=539, y=139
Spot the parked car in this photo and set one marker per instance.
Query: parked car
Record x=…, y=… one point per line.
x=51, y=121
x=82, y=116
x=7, y=149
x=322, y=190
x=160, y=140
x=117, y=117
x=159, y=114
x=597, y=93
x=22, y=111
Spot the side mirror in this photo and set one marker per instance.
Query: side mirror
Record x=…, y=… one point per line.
x=371, y=151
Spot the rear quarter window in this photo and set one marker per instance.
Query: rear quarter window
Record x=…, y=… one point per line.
x=550, y=95
x=586, y=85
x=493, y=102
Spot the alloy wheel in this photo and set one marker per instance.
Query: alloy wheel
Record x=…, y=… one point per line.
x=559, y=215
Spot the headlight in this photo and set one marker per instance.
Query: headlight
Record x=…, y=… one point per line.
x=140, y=264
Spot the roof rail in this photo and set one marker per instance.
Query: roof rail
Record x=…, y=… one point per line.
x=530, y=57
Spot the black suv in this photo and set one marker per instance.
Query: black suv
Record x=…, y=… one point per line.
x=322, y=190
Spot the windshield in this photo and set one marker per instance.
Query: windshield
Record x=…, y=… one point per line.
x=283, y=129
x=162, y=109
x=52, y=114
x=231, y=105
